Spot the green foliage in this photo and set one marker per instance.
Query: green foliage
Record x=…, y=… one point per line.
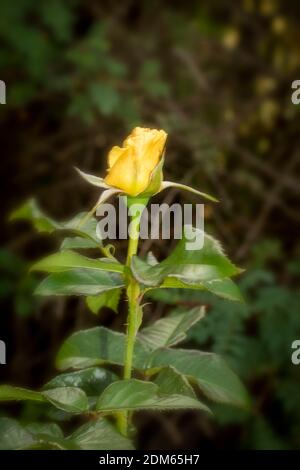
x=167, y=378
x=69, y=260
x=109, y=299
x=209, y=371
x=100, y=435
x=79, y=282
x=96, y=346
x=17, y=437
x=190, y=266
x=170, y=330
x=91, y=380
x=135, y=395
x=255, y=338
x=31, y=212
x=171, y=381
x=96, y=435
x=70, y=399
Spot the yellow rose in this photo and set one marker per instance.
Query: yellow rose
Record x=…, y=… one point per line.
x=131, y=166
x=136, y=169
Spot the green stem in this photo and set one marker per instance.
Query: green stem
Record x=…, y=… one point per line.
x=133, y=295
x=133, y=292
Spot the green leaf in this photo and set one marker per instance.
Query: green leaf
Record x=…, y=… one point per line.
x=66, y=260
x=151, y=259
x=170, y=381
x=83, y=227
x=30, y=211
x=170, y=184
x=170, y=330
x=92, y=179
x=100, y=435
x=92, y=380
x=155, y=180
x=50, y=429
x=224, y=288
x=192, y=267
x=45, y=442
x=97, y=346
x=109, y=299
x=134, y=395
x=78, y=243
x=96, y=435
x=68, y=399
x=209, y=371
x=13, y=436
x=47, y=436
x=8, y=393
x=79, y=282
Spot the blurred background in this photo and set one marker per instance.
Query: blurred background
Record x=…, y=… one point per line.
x=216, y=75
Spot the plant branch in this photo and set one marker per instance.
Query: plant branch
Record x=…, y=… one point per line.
x=133, y=295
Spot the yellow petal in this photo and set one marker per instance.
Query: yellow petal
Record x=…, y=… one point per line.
x=114, y=154
x=123, y=174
